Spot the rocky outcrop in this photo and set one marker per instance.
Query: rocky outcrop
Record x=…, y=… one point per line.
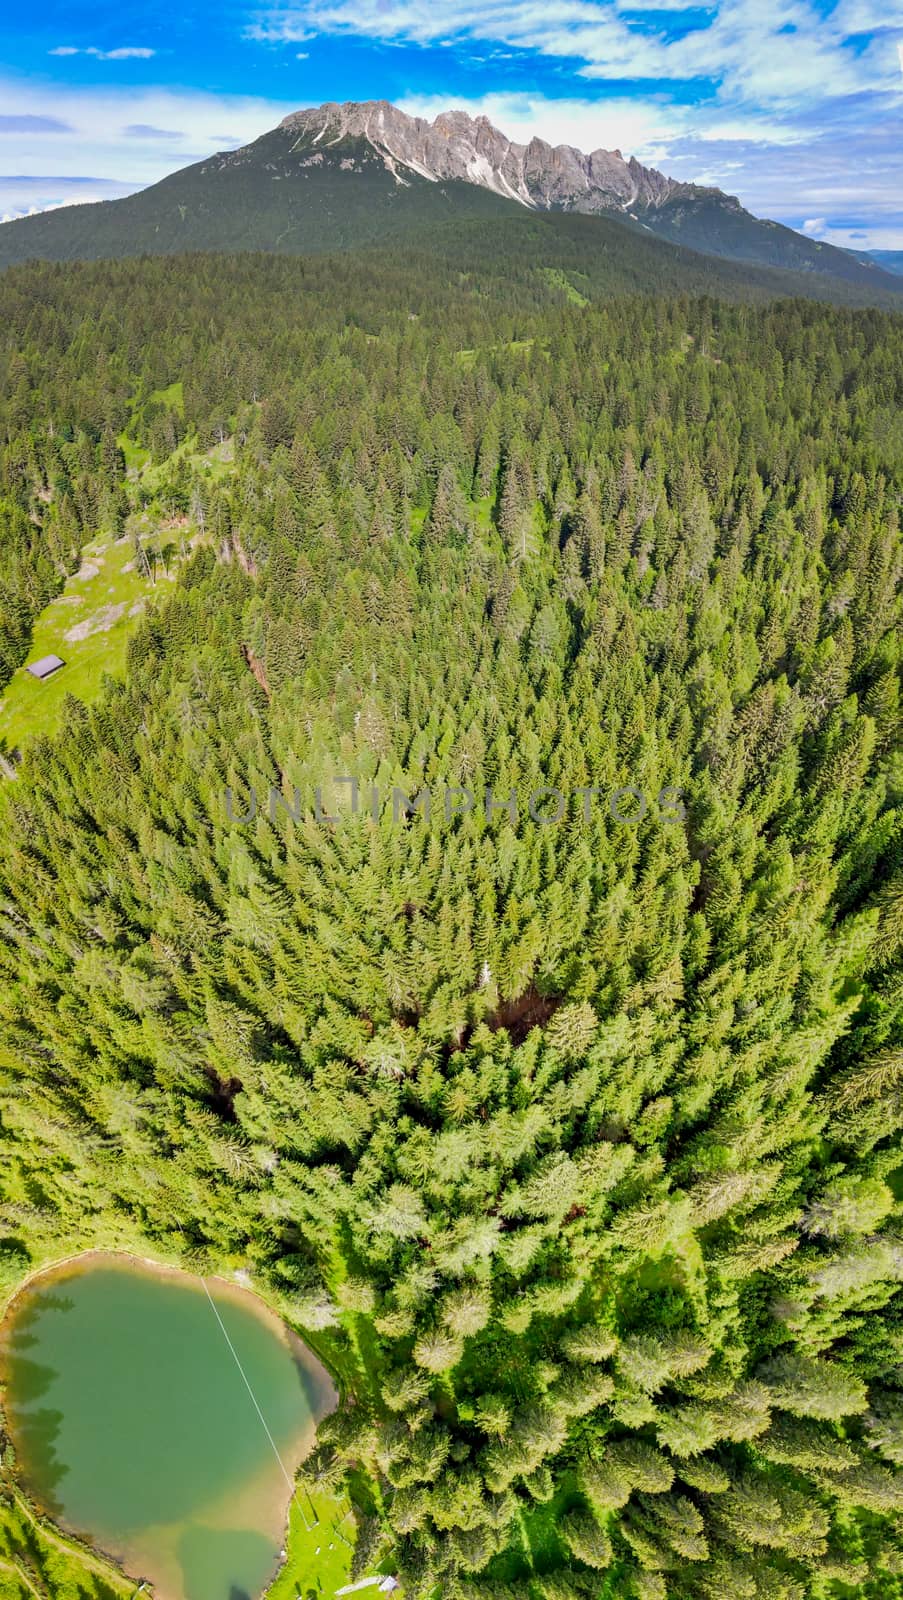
x=455, y=145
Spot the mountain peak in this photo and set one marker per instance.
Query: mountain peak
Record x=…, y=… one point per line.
x=456, y=145
x=341, y=174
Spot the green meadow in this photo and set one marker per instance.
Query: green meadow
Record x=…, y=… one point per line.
x=88, y=625
x=319, y=1549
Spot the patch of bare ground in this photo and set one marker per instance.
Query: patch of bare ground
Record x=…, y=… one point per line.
x=257, y=667
x=530, y=1010
x=518, y=1017
x=98, y=622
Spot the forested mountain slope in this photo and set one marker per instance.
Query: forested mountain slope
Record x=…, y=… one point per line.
x=251, y=204
x=888, y=260
x=579, y=1139
x=341, y=177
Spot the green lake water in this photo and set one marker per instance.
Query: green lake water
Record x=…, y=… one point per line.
x=134, y=1426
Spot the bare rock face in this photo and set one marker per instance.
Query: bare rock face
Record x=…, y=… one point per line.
x=547, y=177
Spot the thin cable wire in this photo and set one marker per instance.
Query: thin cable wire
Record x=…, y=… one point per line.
x=290, y=1481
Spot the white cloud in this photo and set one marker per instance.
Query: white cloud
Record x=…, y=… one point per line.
x=645, y=127
x=636, y=127
x=279, y=32
x=124, y=52
x=25, y=197
x=814, y=227
x=302, y=55
x=94, y=143
x=32, y=211
x=856, y=238
x=768, y=53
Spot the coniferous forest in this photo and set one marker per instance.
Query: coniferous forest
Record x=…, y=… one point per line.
x=572, y=1139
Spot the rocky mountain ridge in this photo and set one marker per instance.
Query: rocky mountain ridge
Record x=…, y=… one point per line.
x=471, y=149
x=346, y=177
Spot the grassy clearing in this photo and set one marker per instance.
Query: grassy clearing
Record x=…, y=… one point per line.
x=136, y=457
x=103, y=601
x=172, y=398
x=98, y=608
x=467, y=358
x=211, y=464
x=484, y=510
x=319, y=1549
x=558, y=279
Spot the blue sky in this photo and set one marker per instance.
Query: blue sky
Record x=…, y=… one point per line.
x=794, y=105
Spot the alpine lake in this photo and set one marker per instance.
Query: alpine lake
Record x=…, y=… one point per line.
x=161, y=1418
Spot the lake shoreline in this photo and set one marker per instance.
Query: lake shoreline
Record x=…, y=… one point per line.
x=325, y=1393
